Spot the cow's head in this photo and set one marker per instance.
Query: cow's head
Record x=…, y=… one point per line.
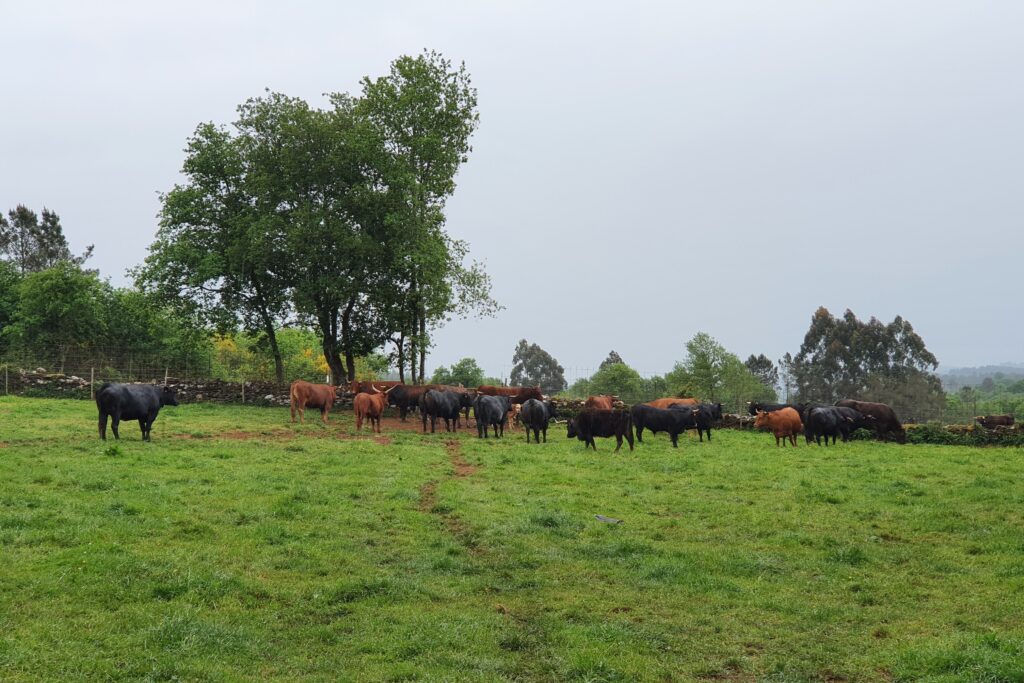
x=168, y=397
x=571, y=429
x=552, y=412
x=761, y=419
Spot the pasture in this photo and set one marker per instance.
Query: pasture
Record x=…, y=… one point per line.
x=237, y=546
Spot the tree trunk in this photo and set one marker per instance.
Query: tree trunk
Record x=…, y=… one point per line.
x=400, y=344
x=268, y=328
x=346, y=340
x=423, y=346
x=329, y=329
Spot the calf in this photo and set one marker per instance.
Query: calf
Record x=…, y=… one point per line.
x=591, y=423
x=536, y=415
x=784, y=423
x=440, y=404
x=515, y=415
x=370, y=406
x=885, y=422
x=657, y=420
x=140, y=402
x=305, y=394
x=491, y=411
x=993, y=421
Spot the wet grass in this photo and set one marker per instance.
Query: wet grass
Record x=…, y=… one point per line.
x=236, y=546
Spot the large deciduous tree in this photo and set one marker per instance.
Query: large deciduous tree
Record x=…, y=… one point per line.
x=532, y=365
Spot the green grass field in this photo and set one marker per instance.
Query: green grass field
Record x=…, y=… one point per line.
x=237, y=546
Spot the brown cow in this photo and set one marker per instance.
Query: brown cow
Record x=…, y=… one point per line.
x=305, y=394
x=370, y=406
x=784, y=423
x=518, y=395
x=666, y=403
x=993, y=421
x=603, y=402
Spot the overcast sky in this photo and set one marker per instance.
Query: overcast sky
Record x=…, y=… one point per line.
x=642, y=171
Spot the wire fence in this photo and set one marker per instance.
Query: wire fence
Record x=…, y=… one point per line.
x=111, y=364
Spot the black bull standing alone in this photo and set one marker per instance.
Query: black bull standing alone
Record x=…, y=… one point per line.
x=140, y=402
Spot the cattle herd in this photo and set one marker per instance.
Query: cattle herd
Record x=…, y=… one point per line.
x=495, y=407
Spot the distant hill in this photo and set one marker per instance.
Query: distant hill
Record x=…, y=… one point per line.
x=954, y=378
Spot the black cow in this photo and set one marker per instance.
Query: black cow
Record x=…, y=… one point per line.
x=604, y=423
x=440, y=404
x=823, y=421
x=535, y=415
x=140, y=402
x=674, y=421
x=853, y=420
x=491, y=411
x=885, y=422
x=704, y=414
x=754, y=406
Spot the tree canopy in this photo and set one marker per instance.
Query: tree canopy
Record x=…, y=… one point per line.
x=332, y=216
x=849, y=358
x=532, y=365
x=466, y=372
x=33, y=245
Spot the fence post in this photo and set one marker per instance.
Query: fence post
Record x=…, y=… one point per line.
x=129, y=367
x=243, y=390
x=165, y=375
x=6, y=390
x=92, y=383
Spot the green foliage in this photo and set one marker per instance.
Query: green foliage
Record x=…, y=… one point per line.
x=465, y=372
x=711, y=373
x=618, y=379
x=763, y=369
x=33, y=245
x=532, y=365
x=612, y=358
x=10, y=294
x=937, y=433
x=59, y=308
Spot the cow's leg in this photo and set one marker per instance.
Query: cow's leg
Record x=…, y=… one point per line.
x=709, y=435
x=103, y=425
x=675, y=439
x=618, y=442
x=545, y=430
x=792, y=437
x=114, y=422
x=640, y=434
x=142, y=427
x=292, y=406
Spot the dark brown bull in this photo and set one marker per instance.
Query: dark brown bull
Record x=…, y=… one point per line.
x=993, y=421
x=305, y=394
x=368, y=386
x=518, y=395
